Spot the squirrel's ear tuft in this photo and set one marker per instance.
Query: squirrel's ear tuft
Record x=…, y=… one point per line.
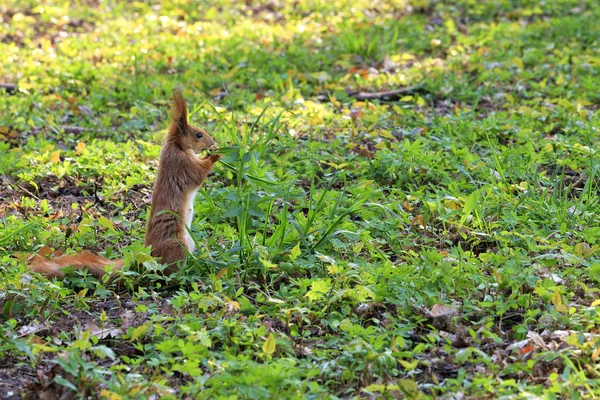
x=178, y=113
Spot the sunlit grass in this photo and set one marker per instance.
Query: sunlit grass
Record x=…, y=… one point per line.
x=341, y=229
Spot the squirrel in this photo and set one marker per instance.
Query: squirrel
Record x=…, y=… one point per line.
x=180, y=174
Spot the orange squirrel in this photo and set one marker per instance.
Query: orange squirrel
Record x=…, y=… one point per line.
x=180, y=175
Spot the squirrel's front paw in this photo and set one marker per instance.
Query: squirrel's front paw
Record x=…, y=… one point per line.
x=215, y=157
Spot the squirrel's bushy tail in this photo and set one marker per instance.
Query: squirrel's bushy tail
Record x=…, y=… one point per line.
x=52, y=268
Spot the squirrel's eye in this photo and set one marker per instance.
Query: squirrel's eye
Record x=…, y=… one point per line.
x=199, y=135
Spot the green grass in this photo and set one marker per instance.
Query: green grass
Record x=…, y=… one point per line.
x=444, y=243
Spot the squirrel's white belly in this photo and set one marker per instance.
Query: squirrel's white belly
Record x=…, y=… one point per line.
x=188, y=216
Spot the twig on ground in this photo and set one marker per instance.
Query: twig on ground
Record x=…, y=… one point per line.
x=26, y=191
x=389, y=95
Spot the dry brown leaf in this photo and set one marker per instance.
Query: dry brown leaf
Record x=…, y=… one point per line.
x=29, y=329
x=518, y=345
x=128, y=319
x=104, y=332
x=537, y=339
x=442, y=310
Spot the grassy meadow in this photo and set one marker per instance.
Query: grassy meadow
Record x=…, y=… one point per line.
x=407, y=206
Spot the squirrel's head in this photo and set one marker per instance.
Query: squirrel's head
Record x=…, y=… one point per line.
x=187, y=136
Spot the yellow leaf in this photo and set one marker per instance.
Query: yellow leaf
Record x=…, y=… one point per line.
x=107, y=394
x=564, y=103
x=335, y=102
x=41, y=347
x=333, y=269
x=269, y=345
x=231, y=73
x=556, y=299
x=357, y=247
x=220, y=274
x=375, y=387
x=573, y=340
x=55, y=156
x=596, y=303
x=295, y=252
x=139, y=332
x=80, y=148
x=411, y=388
x=386, y=134
x=106, y=223
x=268, y=264
x=519, y=63
x=596, y=353
x=409, y=366
x=561, y=308
x=497, y=276
x=393, y=345
x=582, y=249
x=364, y=184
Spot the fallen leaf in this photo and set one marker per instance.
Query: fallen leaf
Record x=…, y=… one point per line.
x=557, y=301
x=527, y=349
x=103, y=332
x=55, y=156
x=26, y=330
x=220, y=274
x=537, y=339
x=441, y=310
x=80, y=147
x=518, y=345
